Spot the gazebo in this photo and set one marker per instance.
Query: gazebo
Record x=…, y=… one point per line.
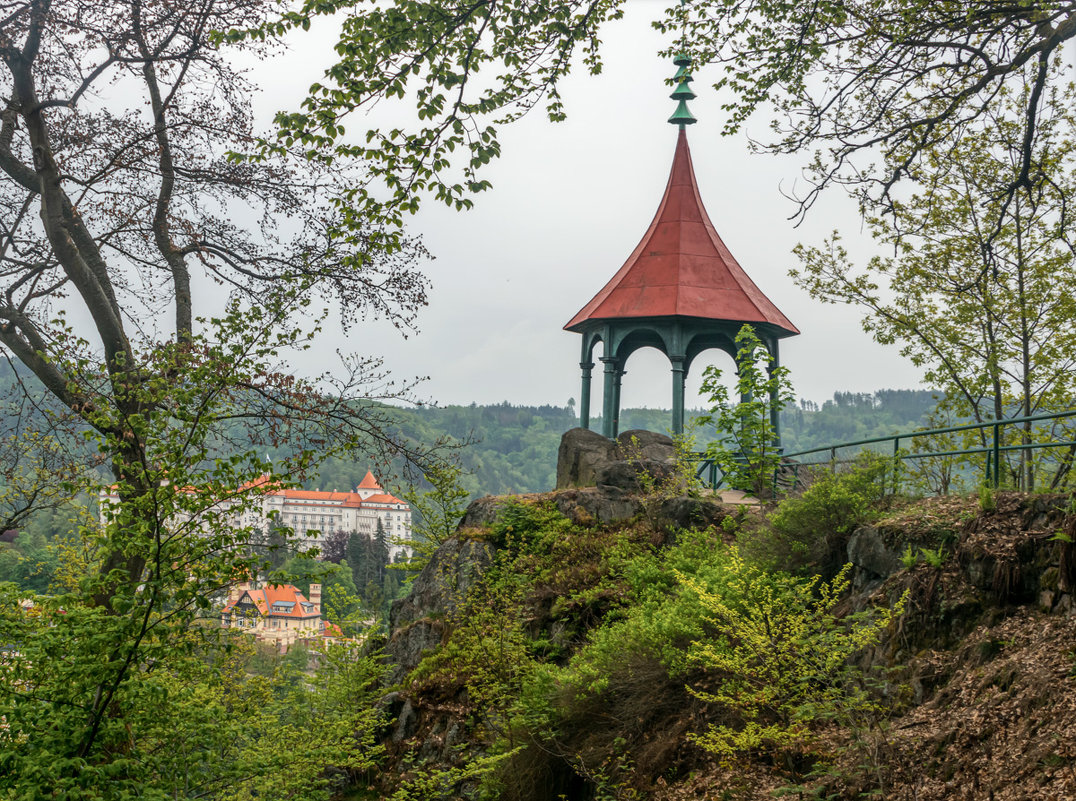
x=680, y=291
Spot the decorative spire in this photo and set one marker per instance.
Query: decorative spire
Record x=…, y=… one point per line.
x=682, y=116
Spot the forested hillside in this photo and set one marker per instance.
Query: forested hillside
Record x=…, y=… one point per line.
x=501, y=449
x=508, y=448
x=514, y=447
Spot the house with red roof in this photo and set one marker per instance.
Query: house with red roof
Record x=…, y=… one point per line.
x=277, y=613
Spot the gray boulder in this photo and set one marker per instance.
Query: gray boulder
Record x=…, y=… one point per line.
x=640, y=444
x=636, y=475
x=581, y=455
x=868, y=551
x=587, y=459
x=589, y=504
x=483, y=511
x=684, y=512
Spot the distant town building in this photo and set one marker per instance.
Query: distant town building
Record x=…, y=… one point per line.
x=314, y=514
x=278, y=614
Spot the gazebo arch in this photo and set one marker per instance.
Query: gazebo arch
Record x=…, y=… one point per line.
x=681, y=291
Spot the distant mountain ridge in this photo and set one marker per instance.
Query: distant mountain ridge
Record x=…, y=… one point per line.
x=514, y=446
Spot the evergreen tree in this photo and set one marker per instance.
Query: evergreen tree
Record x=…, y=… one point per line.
x=357, y=558
x=380, y=553
x=273, y=546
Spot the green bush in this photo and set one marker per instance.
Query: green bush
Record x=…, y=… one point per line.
x=764, y=649
x=809, y=533
x=778, y=660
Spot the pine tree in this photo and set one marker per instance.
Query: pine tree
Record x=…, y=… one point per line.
x=357, y=548
x=380, y=552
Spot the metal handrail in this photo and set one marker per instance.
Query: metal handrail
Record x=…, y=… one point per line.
x=993, y=450
x=951, y=429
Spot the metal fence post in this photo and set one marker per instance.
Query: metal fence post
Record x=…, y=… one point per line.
x=997, y=455
x=896, y=465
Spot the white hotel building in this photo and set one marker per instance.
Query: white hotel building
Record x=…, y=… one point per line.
x=314, y=514
x=318, y=513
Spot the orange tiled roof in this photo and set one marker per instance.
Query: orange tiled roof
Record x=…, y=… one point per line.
x=369, y=482
x=382, y=498
x=317, y=495
x=350, y=500
x=265, y=597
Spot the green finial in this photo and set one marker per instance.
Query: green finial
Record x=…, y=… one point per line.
x=682, y=116
x=683, y=91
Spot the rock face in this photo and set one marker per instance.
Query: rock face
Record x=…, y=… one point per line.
x=684, y=512
x=416, y=622
x=483, y=511
x=868, y=551
x=637, y=475
x=640, y=444
x=598, y=481
x=601, y=504
x=587, y=459
x=581, y=455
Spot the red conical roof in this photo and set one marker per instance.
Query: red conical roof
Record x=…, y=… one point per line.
x=681, y=267
x=368, y=482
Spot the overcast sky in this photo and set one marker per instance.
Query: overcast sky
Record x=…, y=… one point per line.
x=568, y=205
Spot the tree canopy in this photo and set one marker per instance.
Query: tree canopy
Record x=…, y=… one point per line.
x=157, y=287
x=869, y=83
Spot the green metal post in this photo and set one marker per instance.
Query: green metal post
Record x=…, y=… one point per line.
x=584, y=395
x=997, y=455
x=896, y=465
x=775, y=413
x=678, y=376
x=608, y=397
x=616, y=402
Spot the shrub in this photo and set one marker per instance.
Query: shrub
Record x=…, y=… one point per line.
x=809, y=533
x=762, y=648
x=778, y=660
x=747, y=450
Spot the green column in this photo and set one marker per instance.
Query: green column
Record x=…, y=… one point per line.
x=775, y=413
x=609, y=396
x=678, y=376
x=616, y=402
x=584, y=395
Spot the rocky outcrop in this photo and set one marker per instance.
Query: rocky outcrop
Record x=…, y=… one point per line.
x=638, y=475
x=868, y=552
x=641, y=444
x=416, y=623
x=596, y=504
x=581, y=455
x=633, y=462
x=686, y=512
x=484, y=511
